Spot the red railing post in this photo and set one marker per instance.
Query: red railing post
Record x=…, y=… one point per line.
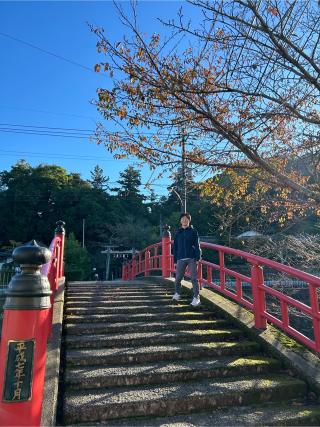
x=134, y=268
x=147, y=263
x=60, y=232
x=24, y=339
x=222, y=273
x=123, y=276
x=259, y=303
x=166, y=252
x=315, y=313
x=139, y=264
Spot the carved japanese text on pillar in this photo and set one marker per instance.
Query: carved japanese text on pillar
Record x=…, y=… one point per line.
x=18, y=375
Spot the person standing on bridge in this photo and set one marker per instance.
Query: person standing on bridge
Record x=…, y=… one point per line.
x=186, y=253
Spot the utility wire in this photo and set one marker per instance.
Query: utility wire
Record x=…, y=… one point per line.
x=55, y=113
x=44, y=134
x=48, y=52
x=82, y=134
x=60, y=156
x=45, y=127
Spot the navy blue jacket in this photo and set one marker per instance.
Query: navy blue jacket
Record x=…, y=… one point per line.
x=186, y=244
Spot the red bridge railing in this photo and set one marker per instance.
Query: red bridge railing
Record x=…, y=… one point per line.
x=216, y=275
x=26, y=329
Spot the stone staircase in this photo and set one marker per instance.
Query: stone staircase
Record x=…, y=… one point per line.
x=134, y=358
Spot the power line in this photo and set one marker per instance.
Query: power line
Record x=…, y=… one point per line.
x=60, y=156
x=45, y=127
x=48, y=52
x=39, y=133
x=44, y=132
x=47, y=112
x=106, y=133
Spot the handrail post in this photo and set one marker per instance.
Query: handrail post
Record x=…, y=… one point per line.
x=24, y=339
x=60, y=232
x=123, y=272
x=315, y=310
x=259, y=303
x=134, y=268
x=166, y=251
x=222, y=273
x=147, y=263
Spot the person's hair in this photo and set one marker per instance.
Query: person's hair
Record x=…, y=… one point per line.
x=186, y=214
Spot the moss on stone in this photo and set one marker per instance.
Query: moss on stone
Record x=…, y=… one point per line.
x=190, y=313
x=217, y=344
x=197, y=321
x=286, y=340
x=212, y=331
x=253, y=360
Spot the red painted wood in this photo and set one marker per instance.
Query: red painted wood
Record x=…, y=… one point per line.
x=259, y=289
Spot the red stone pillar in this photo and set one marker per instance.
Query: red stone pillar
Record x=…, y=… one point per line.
x=166, y=252
x=24, y=339
x=259, y=303
x=147, y=263
x=60, y=232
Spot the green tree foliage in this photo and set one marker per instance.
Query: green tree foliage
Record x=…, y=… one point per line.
x=135, y=233
x=77, y=260
x=33, y=199
x=129, y=191
x=98, y=180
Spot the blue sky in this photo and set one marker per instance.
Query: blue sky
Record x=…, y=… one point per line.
x=38, y=89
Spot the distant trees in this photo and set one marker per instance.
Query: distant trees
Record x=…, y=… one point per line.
x=129, y=192
x=32, y=199
x=77, y=260
x=301, y=250
x=135, y=226
x=98, y=180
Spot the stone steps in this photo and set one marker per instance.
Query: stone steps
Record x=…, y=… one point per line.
x=140, y=317
x=130, y=293
x=182, y=351
x=129, y=309
x=99, y=328
x=295, y=413
x=166, y=372
x=177, y=398
x=153, y=338
x=121, y=294
x=111, y=297
x=134, y=357
x=126, y=302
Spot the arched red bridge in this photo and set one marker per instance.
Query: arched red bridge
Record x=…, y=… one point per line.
x=131, y=356
x=158, y=257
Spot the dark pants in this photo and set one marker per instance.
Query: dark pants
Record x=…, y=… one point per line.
x=181, y=268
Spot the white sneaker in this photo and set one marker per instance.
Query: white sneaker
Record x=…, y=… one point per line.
x=195, y=302
x=176, y=297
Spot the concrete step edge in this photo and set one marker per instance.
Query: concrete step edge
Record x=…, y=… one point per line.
x=131, y=309
x=178, y=398
x=184, y=351
x=79, y=329
x=99, y=341
x=169, y=315
x=290, y=413
x=157, y=373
